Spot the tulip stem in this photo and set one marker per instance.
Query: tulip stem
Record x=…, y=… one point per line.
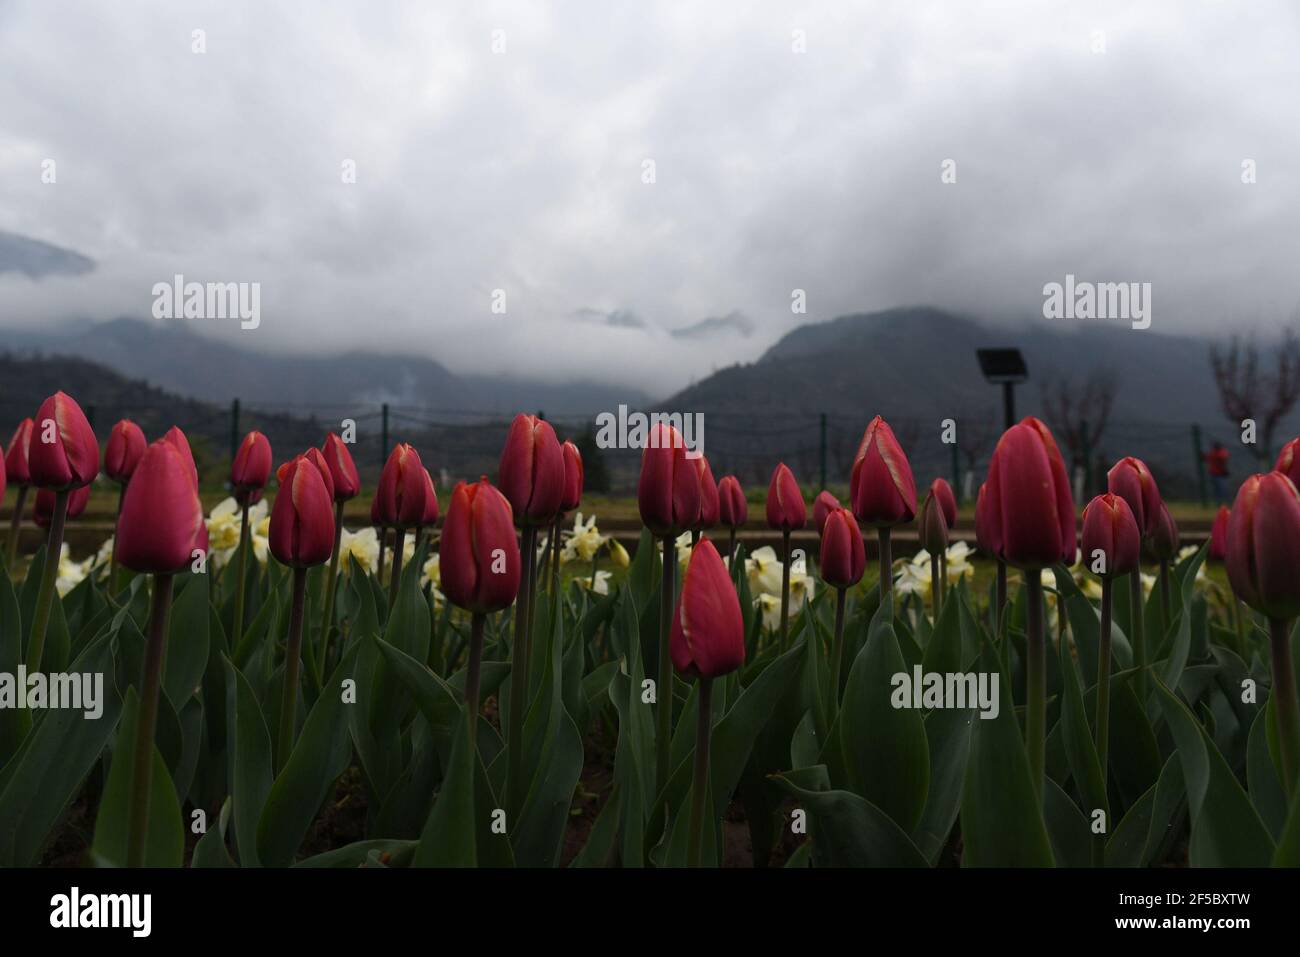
x=292, y=662
x=395, y=579
x=886, y=564
x=142, y=772
x=1000, y=597
x=1103, y=678
x=785, y=591
x=383, y=544
x=112, y=564
x=238, y=624
x=837, y=648
x=936, y=587
x=16, y=528
x=1139, y=632
x=943, y=573
x=700, y=789
x=49, y=574
x=331, y=587
x=1286, y=706
x=555, y=555
x=519, y=673
x=664, y=687
x=1035, y=680
x=472, y=675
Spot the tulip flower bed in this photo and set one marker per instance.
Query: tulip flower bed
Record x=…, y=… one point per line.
x=481, y=692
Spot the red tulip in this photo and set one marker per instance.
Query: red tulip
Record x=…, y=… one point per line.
x=302, y=518
x=44, y=510
x=882, y=490
x=479, y=555
x=1288, y=462
x=708, y=632
x=932, y=525
x=531, y=474
x=347, y=483
x=1109, y=527
x=126, y=445
x=573, y=476
x=430, y=516
x=843, y=555
x=1219, y=534
x=1130, y=479
x=823, y=505
x=402, y=489
x=668, y=492
x=252, y=466
x=317, y=458
x=1028, y=516
x=942, y=492
x=1264, y=546
x=785, y=505
x=162, y=518
x=376, y=518
x=733, y=510
x=1164, y=541
x=710, y=504
x=62, y=452
x=16, y=458
x=177, y=438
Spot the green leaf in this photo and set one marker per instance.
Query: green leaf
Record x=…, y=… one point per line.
x=389, y=852
x=1001, y=814
x=1226, y=830
x=320, y=755
x=187, y=642
x=948, y=732
x=165, y=834
x=448, y=839
x=884, y=749
x=51, y=763
x=1129, y=839
x=13, y=726
x=1172, y=669
x=1266, y=791
x=1067, y=827
x=847, y=830
x=250, y=773
x=1085, y=765
x=211, y=849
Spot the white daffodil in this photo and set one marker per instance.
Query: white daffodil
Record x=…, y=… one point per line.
x=683, y=546
x=584, y=541
x=1148, y=583
x=432, y=572
x=223, y=530
x=913, y=577
x=359, y=548
x=763, y=569
x=602, y=583
x=70, y=573
x=618, y=554
x=770, y=607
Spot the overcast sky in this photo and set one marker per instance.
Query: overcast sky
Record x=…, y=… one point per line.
x=523, y=170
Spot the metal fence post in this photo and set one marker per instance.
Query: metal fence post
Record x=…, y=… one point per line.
x=383, y=436
x=1200, y=463
x=822, y=450
x=234, y=428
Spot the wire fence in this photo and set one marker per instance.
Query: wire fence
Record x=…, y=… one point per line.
x=819, y=447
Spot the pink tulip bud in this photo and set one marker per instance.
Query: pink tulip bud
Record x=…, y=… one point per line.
x=1130, y=479
x=62, y=452
x=1264, y=546
x=16, y=458
x=882, y=490
x=710, y=504
x=785, y=505
x=402, y=489
x=161, y=524
x=1219, y=534
x=708, y=632
x=479, y=554
x=932, y=525
x=251, y=468
x=1164, y=541
x=347, y=483
x=1288, y=461
x=1112, y=544
x=177, y=438
x=126, y=445
x=531, y=474
x=430, y=516
x=843, y=555
x=44, y=510
x=733, y=510
x=823, y=505
x=1028, y=511
x=573, y=477
x=668, y=492
x=302, y=518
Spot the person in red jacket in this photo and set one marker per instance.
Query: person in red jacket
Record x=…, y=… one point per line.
x=1216, y=463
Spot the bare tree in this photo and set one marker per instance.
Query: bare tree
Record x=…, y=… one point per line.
x=975, y=437
x=1079, y=411
x=1247, y=393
